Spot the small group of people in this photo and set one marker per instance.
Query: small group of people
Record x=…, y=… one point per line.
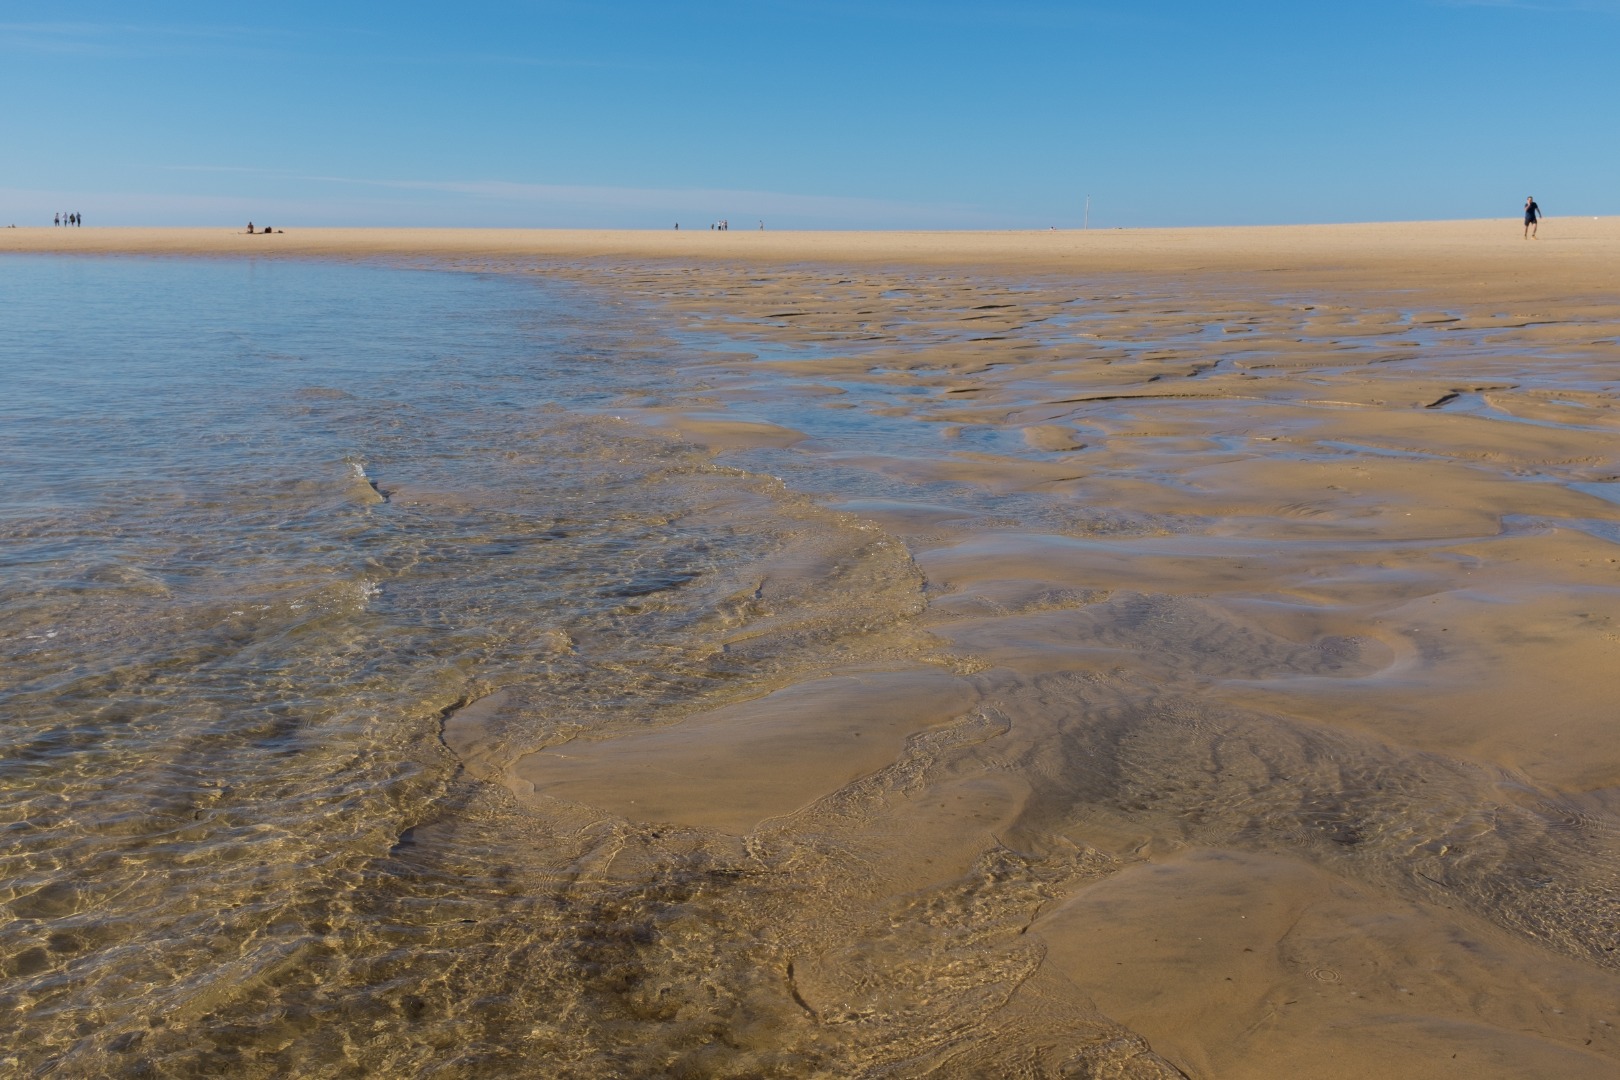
x=251, y=230
x=74, y=219
x=722, y=225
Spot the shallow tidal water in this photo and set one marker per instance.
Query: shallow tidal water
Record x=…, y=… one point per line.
x=382, y=680
x=264, y=523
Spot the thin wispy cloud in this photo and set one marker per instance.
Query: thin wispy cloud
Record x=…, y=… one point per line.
x=227, y=169
x=315, y=198
x=1026, y=15
x=123, y=39
x=457, y=59
x=106, y=39
x=640, y=199
x=1598, y=7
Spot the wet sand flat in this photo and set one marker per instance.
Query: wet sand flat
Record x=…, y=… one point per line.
x=1245, y=700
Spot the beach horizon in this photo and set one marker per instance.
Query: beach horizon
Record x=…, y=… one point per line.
x=1433, y=253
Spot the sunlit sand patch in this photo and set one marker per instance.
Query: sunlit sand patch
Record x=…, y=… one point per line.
x=1480, y=680
x=1248, y=966
x=1053, y=438
x=1576, y=408
x=735, y=767
x=1008, y=596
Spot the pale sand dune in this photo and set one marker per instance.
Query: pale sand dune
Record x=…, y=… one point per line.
x=1253, y=674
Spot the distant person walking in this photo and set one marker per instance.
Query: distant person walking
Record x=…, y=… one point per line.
x=57, y=220
x=1532, y=215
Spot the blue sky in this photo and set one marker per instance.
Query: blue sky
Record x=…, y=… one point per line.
x=831, y=114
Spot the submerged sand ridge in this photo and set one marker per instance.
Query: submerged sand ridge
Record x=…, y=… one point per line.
x=1173, y=669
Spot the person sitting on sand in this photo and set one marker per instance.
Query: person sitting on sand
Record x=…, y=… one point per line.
x=250, y=228
x=1532, y=214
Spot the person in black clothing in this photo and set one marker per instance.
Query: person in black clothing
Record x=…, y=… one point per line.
x=1532, y=214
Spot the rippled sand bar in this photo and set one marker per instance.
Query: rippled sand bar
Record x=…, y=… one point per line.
x=1137, y=654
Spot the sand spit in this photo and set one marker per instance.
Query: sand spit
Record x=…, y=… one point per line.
x=1485, y=258
x=1256, y=713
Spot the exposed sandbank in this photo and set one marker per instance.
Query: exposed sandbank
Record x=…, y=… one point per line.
x=1296, y=594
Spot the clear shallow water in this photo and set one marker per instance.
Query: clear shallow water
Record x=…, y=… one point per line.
x=265, y=523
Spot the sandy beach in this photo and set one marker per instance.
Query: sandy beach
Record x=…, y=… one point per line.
x=1239, y=638
x=1573, y=255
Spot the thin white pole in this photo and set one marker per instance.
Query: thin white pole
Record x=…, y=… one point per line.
x=1086, y=221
